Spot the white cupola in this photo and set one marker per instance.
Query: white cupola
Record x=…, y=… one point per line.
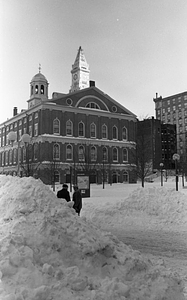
x=38, y=89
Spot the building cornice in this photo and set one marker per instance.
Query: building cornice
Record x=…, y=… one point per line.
x=85, y=141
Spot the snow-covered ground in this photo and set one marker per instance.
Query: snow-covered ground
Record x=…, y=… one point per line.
x=47, y=252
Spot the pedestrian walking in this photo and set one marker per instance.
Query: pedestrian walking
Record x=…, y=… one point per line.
x=77, y=199
x=64, y=193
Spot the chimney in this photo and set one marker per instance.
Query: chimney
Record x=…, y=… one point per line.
x=92, y=83
x=15, y=111
x=156, y=95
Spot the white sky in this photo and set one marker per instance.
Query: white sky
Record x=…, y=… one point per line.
x=135, y=48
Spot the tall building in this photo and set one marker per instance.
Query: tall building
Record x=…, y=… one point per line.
x=84, y=130
x=173, y=110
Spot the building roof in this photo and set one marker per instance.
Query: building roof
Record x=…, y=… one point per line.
x=39, y=77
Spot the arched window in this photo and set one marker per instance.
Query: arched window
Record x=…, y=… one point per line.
x=56, y=176
x=115, y=154
x=56, y=151
x=93, y=105
x=114, y=133
x=115, y=177
x=93, y=152
x=24, y=154
x=42, y=89
x=105, y=154
x=93, y=130
x=3, y=158
x=81, y=129
x=69, y=152
x=36, y=151
x=29, y=149
x=81, y=153
x=14, y=155
x=125, y=176
x=56, y=126
x=104, y=132
x=125, y=154
x=69, y=128
x=124, y=133
x=10, y=156
x=36, y=89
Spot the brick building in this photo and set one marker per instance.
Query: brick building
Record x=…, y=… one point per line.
x=160, y=142
x=84, y=130
x=173, y=110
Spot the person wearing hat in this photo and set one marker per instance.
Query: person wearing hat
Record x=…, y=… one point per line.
x=64, y=193
x=77, y=199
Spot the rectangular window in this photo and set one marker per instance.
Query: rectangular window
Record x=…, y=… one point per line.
x=168, y=102
x=158, y=112
x=173, y=101
x=168, y=109
x=30, y=130
x=36, y=129
x=185, y=97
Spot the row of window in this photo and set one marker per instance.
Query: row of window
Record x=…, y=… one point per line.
x=92, y=155
x=10, y=157
x=172, y=101
x=4, y=141
x=21, y=122
x=93, y=130
x=115, y=176
x=172, y=110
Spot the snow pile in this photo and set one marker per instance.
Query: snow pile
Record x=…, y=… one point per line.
x=48, y=252
x=146, y=207
x=167, y=205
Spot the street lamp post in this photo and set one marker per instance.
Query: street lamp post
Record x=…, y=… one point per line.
x=26, y=140
x=176, y=158
x=161, y=171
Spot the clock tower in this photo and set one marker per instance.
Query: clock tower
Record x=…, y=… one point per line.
x=80, y=72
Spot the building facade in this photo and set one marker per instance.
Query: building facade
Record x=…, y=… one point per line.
x=173, y=110
x=159, y=141
x=83, y=131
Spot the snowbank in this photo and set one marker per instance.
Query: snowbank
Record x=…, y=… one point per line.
x=148, y=207
x=48, y=252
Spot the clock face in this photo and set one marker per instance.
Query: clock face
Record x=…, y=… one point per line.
x=75, y=76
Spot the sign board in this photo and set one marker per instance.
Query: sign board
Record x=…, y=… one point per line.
x=83, y=183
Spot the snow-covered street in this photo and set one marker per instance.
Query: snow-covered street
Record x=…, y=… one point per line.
x=152, y=220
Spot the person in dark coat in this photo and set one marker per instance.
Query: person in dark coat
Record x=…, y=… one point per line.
x=77, y=199
x=64, y=193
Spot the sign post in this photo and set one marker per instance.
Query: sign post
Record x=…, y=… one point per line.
x=83, y=182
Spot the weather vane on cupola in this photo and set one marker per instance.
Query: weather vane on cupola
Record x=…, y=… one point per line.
x=39, y=68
